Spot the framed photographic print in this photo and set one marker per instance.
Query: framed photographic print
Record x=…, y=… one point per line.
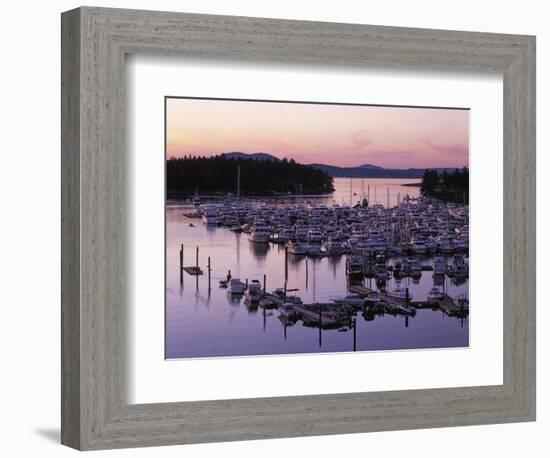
x=287, y=228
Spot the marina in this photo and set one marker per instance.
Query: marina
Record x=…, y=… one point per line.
x=297, y=274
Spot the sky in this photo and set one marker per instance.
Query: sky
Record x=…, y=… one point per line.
x=341, y=135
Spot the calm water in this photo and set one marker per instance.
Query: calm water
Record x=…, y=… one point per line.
x=203, y=322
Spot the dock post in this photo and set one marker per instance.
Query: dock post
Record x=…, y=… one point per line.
x=407, y=321
x=209, y=270
x=407, y=295
x=264, y=283
x=307, y=272
x=197, y=258
x=286, y=263
x=285, y=289
x=354, y=334
x=181, y=263
x=246, y=283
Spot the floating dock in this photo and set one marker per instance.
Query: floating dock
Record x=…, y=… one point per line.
x=319, y=318
x=193, y=270
x=450, y=307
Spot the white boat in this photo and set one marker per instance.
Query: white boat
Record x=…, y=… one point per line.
x=418, y=246
x=458, y=268
x=297, y=248
x=236, y=286
x=354, y=266
x=314, y=236
x=260, y=232
x=334, y=246
x=287, y=310
x=440, y=266
x=435, y=295
x=210, y=215
x=351, y=299
x=445, y=246
x=254, y=291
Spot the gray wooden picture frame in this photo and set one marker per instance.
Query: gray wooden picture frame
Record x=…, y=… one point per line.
x=95, y=411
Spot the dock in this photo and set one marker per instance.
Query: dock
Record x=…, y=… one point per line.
x=361, y=290
x=193, y=270
x=318, y=318
x=450, y=307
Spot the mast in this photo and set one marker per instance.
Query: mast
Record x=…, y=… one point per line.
x=238, y=182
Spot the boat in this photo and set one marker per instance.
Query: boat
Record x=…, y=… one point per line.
x=351, y=299
x=418, y=246
x=458, y=268
x=463, y=302
x=210, y=215
x=333, y=246
x=399, y=293
x=381, y=272
x=290, y=298
x=354, y=266
x=440, y=266
x=260, y=232
x=254, y=291
x=297, y=248
x=435, y=295
x=287, y=311
x=236, y=286
x=314, y=236
x=405, y=309
x=315, y=250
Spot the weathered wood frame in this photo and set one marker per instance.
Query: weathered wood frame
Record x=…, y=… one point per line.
x=95, y=413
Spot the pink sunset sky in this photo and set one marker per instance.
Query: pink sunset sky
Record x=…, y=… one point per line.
x=342, y=135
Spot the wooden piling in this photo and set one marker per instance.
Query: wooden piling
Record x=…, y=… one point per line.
x=286, y=263
x=197, y=258
x=307, y=272
x=209, y=270
x=181, y=263
x=265, y=278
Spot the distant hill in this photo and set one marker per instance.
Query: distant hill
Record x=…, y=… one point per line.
x=360, y=171
x=369, y=171
x=257, y=156
x=369, y=166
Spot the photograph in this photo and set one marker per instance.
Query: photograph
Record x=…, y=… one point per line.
x=296, y=227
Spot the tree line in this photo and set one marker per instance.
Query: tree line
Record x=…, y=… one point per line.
x=449, y=186
x=218, y=174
